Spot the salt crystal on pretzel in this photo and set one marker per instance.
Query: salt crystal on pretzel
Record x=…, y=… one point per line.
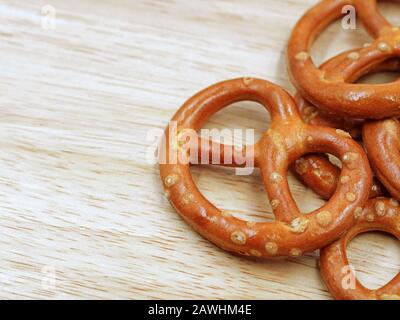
x=292, y=233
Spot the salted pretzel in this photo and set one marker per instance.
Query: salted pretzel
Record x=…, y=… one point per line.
x=319, y=174
x=328, y=90
x=292, y=233
x=382, y=143
x=312, y=115
x=380, y=214
x=316, y=171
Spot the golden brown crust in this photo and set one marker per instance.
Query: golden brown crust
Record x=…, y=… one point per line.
x=312, y=115
x=328, y=90
x=319, y=174
x=382, y=143
x=288, y=138
x=379, y=214
x=316, y=171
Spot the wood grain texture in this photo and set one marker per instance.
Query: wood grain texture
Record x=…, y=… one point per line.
x=83, y=212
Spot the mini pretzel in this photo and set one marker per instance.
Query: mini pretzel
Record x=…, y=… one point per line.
x=328, y=90
x=292, y=233
x=316, y=171
x=312, y=115
x=382, y=143
x=381, y=215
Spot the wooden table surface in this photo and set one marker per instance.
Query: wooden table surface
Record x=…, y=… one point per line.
x=83, y=213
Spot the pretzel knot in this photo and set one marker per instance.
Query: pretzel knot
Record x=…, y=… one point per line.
x=379, y=214
x=328, y=90
x=292, y=233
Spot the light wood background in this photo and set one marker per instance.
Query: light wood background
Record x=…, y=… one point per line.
x=82, y=211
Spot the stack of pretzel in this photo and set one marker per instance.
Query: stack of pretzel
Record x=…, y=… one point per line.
x=327, y=114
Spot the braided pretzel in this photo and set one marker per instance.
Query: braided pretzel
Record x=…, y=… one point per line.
x=381, y=215
x=328, y=90
x=382, y=141
x=288, y=138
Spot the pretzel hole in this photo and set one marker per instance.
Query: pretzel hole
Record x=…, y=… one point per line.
x=375, y=257
x=335, y=40
x=390, y=10
x=306, y=199
x=238, y=117
x=243, y=197
x=380, y=77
